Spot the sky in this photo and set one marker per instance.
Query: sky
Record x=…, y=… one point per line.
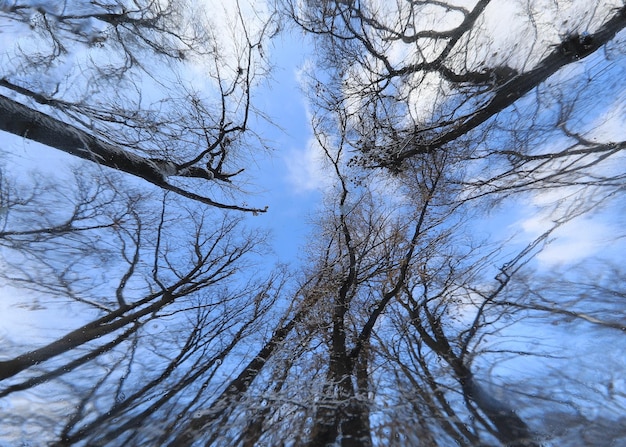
x=283, y=179
x=291, y=181
x=290, y=178
x=302, y=180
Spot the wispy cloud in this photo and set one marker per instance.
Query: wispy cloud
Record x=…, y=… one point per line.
x=574, y=241
x=597, y=233
x=306, y=170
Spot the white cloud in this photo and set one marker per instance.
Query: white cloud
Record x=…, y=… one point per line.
x=306, y=170
x=577, y=240
x=596, y=233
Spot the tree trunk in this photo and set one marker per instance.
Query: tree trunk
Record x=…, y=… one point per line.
x=25, y=122
x=511, y=429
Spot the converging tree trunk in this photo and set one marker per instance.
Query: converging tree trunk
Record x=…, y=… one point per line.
x=465, y=246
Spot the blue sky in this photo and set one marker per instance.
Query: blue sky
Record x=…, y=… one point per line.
x=280, y=178
x=286, y=178
x=290, y=181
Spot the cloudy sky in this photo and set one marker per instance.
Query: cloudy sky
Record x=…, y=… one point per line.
x=291, y=179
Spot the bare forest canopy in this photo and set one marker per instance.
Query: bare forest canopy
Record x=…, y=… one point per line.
x=103, y=81
x=440, y=299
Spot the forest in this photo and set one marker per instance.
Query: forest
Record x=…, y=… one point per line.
x=461, y=279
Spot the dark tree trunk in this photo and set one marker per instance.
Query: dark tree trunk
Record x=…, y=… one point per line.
x=25, y=122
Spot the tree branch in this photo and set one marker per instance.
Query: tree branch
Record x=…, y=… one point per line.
x=25, y=122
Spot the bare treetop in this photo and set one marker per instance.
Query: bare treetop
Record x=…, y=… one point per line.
x=428, y=73
x=159, y=90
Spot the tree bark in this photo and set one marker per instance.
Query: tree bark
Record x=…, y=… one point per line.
x=195, y=428
x=31, y=124
x=25, y=122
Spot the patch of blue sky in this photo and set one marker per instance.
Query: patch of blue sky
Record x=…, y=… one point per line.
x=289, y=177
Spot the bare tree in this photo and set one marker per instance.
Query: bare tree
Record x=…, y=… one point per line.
x=154, y=305
x=430, y=91
x=109, y=82
x=401, y=302
x=418, y=78
x=413, y=320
x=113, y=83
